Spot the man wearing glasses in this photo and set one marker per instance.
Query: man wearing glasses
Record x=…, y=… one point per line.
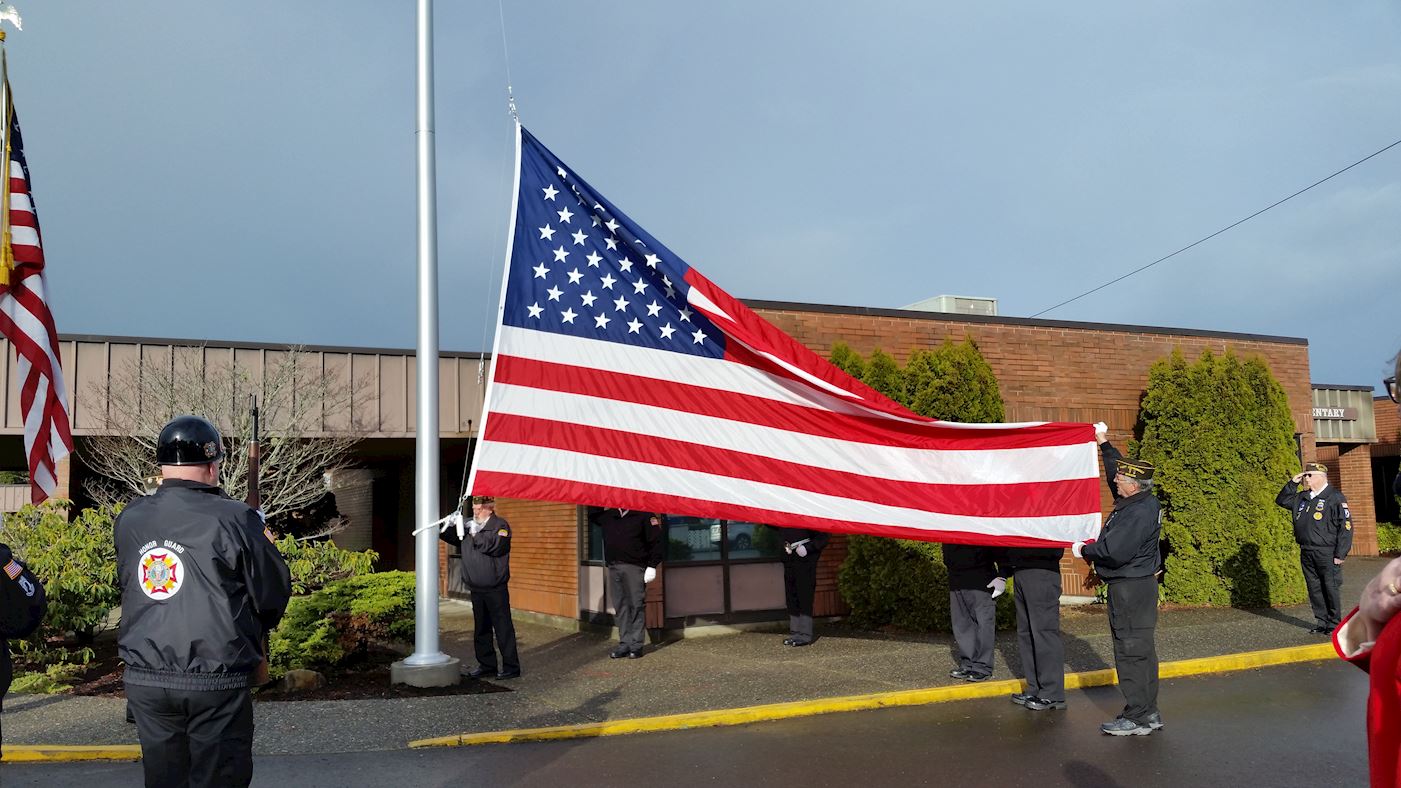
x=1323, y=529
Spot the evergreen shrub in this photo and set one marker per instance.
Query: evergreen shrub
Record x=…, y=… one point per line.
x=333, y=625
x=1221, y=435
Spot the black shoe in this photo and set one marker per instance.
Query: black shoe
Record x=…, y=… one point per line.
x=480, y=672
x=959, y=673
x=509, y=674
x=788, y=641
x=797, y=642
x=1042, y=704
x=635, y=654
x=1320, y=630
x=1021, y=698
x=976, y=677
x=618, y=653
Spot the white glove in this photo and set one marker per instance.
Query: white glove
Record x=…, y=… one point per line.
x=998, y=586
x=649, y=574
x=801, y=550
x=1078, y=549
x=453, y=520
x=475, y=527
x=1101, y=427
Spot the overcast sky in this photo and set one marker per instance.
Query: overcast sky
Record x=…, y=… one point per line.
x=246, y=171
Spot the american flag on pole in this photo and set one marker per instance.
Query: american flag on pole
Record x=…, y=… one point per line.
x=623, y=377
x=26, y=321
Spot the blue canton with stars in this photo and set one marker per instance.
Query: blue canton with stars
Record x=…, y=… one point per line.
x=580, y=267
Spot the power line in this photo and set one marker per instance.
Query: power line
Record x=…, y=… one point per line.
x=1218, y=232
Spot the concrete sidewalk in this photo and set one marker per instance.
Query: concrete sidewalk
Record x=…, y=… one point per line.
x=569, y=678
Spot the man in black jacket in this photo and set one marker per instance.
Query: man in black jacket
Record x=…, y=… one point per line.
x=1127, y=558
x=1323, y=529
x=632, y=549
x=202, y=584
x=486, y=568
x=22, y=606
x=802, y=548
x=973, y=585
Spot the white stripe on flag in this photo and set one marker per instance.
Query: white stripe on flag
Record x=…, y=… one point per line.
x=19, y=201
x=21, y=235
x=976, y=466
x=625, y=474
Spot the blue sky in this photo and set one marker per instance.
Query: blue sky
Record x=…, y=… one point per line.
x=240, y=172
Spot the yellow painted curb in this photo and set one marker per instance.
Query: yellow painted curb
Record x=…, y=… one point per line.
x=54, y=753
x=878, y=700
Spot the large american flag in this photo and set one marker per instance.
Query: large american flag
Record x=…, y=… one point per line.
x=623, y=377
x=26, y=321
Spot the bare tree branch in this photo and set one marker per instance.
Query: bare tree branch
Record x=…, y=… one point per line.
x=298, y=449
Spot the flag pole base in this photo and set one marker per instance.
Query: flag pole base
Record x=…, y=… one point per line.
x=447, y=673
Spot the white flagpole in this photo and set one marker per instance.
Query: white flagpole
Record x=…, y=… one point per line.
x=428, y=666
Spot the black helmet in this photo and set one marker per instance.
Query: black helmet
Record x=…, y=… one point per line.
x=189, y=440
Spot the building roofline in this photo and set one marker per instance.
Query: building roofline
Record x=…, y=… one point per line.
x=949, y=317
x=1343, y=388
x=219, y=343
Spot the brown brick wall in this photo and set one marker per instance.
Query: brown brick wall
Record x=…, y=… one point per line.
x=1353, y=473
x=1388, y=428
x=544, y=556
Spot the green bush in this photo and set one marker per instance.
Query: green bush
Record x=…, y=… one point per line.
x=76, y=561
x=315, y=564
x=1221, y=435
x=1389, y=538
x=899, y=582
x=332, y=625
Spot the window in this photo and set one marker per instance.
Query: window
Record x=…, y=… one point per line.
x=695, y=539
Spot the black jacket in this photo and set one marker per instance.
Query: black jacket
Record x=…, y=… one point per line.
x=1324, y=523
x=22, y=606
x=202, y=583
x=816, y=541
x=971, y=566
x=1128, y=545
x=486, y=555
x=1013, y=558
x=630, y=538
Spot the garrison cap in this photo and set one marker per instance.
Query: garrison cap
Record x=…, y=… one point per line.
x=1140, y=470
x=481, y=499
x=1316, y=467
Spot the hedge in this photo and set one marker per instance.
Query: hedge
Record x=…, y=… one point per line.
x=1221, y=434
x=333, y=625
x=898, y=582
x=1389, y=538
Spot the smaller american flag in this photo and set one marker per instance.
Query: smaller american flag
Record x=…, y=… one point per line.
x=26, y=321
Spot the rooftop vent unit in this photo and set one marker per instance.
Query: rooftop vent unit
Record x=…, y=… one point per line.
x=959, y=305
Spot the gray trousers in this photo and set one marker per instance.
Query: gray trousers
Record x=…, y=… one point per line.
x=974, y=615
x=1037, y=597
x=1133, y=615
x=629, y=603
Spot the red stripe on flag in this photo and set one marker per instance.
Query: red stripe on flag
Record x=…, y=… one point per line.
x=780, y=415
x=1028, y=499
x=541, y=488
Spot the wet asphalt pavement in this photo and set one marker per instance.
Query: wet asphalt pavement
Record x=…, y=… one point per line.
x=1296, y=725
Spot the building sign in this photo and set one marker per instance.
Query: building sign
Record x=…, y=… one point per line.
x=1337, y=414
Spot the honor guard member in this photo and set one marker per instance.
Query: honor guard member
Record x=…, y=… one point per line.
x=22, y=606
x=632, y=550
x=1127, y=558
x=973, y=585
x=202, y=584
x=486, y=568
x=1323, y=529
x=1035, y=575
x=802, y=548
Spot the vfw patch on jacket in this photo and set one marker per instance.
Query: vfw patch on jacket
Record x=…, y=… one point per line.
x=162, y=573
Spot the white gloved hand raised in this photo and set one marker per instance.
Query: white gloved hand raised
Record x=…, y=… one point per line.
x=649, y=574
x=998, y=586
x=1078, y=549
x=475, y=527
x=453, y=520
x=801, y=550
x=1101, y=432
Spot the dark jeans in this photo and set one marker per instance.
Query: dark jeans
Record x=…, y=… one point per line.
x=193, y=738
x=629, y=604
x=974, y=614
x=491, y=614
x=799, y=588
x=1325, y=583
x=1037, y=597
x=1133, y=615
